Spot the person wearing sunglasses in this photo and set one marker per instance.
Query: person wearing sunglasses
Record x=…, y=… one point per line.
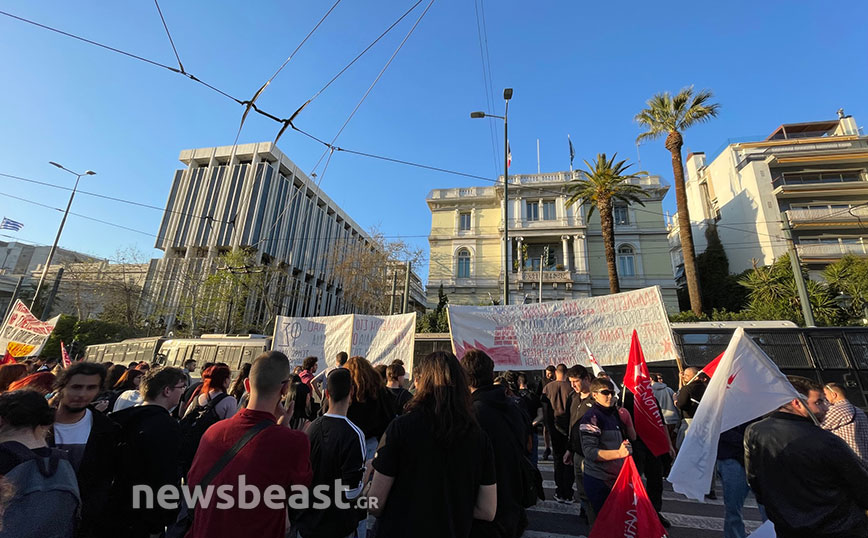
x=603, y=443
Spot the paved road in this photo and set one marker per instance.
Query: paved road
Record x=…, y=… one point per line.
x=690, y=519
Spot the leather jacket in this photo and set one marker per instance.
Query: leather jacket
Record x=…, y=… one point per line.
x=810, y=482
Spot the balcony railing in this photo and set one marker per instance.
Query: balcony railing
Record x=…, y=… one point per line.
x=830, y=250
x=827, y=215
x=547, y=276
x=847, y=176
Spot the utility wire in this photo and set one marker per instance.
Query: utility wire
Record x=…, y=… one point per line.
x=171, y=41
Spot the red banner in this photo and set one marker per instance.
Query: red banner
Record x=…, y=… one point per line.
x=628, y=512
x=646, y=413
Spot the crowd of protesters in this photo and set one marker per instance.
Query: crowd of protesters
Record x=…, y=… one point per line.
x=453, y=453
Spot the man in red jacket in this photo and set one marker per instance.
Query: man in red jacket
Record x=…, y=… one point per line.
x=275, y=459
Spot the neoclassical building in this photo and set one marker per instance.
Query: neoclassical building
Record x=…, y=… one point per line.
x=467, y=247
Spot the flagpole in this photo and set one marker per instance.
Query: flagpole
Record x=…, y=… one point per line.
x=537, y=156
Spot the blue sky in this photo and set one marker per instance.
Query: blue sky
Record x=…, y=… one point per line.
x=583, y=68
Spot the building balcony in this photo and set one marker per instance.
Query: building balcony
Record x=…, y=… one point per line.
x=827, y=217
x=844, y=183
x=547, y=276
x=820, y=252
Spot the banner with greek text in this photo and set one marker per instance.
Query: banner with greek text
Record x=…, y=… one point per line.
x=528, y=337
x=380, y=339
x=321, y=337
x=23, y=334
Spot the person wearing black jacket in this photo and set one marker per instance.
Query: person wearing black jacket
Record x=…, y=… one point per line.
x=149, y=454
x=94, y=449
x=810, y=482
x=508, y=428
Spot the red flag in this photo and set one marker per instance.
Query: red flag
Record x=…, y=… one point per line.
x=628, y=511
x=646, y=413
x=66, y=360
x=8, y=358
x=709, y=368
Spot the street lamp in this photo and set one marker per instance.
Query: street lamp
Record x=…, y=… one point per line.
x=507, y=95
x=59, y=230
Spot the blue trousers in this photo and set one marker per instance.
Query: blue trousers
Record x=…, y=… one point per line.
x=597, y=492
x=735, y=489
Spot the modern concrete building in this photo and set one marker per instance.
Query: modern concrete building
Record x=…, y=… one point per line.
x=254, y=198
x=467, y=244
x=396, y=273
x=816, y=173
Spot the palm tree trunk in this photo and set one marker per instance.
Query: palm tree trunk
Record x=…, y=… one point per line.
x=673, y=144
x=607, y=226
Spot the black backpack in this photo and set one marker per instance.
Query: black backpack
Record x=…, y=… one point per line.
x=193, y=426
x=46, y=500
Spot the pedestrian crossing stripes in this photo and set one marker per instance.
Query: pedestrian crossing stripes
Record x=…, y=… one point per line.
x=689, y=518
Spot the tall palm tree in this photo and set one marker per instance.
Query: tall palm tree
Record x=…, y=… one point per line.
x=671, y=115
x=601, y=185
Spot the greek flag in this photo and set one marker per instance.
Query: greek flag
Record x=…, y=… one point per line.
x=9, y=224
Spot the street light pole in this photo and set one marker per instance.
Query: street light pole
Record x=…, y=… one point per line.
x=507, y=95
x=59, y=230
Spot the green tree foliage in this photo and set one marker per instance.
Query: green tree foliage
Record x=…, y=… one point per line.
x=63, y=331
x=772, y=295
x=435, y=321
x=720, y=290
x=849, y=276
x=670, y=115
x=602, y=184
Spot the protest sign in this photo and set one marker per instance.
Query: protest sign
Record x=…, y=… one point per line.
x=380, y=339
x=527, y=337
x=23, y=334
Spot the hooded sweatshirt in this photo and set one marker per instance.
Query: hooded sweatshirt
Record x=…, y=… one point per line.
x=663, y=393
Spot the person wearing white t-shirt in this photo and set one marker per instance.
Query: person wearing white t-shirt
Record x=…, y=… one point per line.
x=90, y=440
x=128, y=398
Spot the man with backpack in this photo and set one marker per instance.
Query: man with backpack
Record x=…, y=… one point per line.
x=90, y=439
x=262, y=450
x=45, y=498
x=148, y=452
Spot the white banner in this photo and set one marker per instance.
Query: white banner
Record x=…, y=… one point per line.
x=23, y=334
x=321, y=337
x=380, y=339
x=528, y=337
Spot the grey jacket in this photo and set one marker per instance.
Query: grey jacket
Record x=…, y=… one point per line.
x=600, y=429
x=663, y=393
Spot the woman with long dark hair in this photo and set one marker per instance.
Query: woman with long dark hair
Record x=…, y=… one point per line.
x=299, y=397
x=237, y=390
x=434, y=470
x=373, y=407
x=126, y=391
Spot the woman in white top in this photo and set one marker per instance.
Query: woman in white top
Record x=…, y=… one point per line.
x=126, y=390
x=215, y=381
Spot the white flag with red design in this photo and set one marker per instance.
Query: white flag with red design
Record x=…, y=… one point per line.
x=595, y=366
x=749, y=386
x=646, y=413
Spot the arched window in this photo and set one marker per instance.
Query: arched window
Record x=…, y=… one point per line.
x=463, y=263
x=626, y=261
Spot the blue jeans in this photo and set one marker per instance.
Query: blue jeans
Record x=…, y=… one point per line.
x=534, y=453
x=735, y=489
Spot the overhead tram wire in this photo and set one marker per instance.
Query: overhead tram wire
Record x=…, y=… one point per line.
x=486, y=84
x=252, y=102
x=171, y=41
x=275, y=118
x=331, y=148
